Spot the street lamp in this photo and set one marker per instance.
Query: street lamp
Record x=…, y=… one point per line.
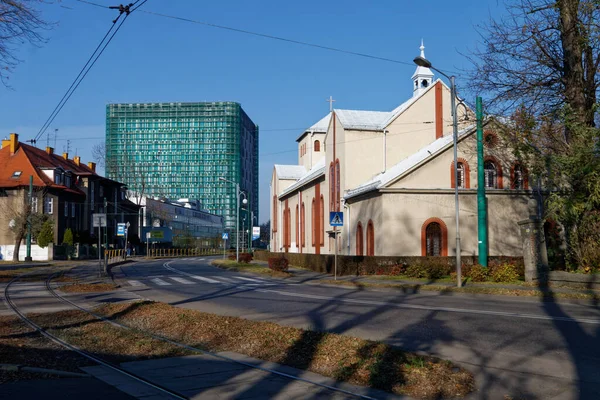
x=237, y=215
x=423, y=62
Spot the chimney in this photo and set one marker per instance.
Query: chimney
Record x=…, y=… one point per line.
x=92, y=166
x=66, y=156
x=50, y=150
x=13, y=142
x=77, y=160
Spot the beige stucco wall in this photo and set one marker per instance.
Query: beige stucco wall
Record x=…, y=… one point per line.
x=8, y=207
x=398, y=219
x=311, y=158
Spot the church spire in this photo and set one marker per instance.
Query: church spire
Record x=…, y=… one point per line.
x=423, y=77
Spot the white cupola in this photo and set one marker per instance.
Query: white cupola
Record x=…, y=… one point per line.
x=423, y=77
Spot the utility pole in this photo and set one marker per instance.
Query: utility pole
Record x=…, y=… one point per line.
x=106, y=237
x=481, y=200
x=29, y=204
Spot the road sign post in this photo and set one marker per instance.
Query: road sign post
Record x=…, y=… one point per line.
x=99, y=220
x=225, y=236
x=336, y=218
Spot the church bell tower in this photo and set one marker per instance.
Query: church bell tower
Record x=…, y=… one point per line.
x=423, y=77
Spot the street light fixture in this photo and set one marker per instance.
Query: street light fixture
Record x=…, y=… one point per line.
x=237, y=215
x=423, y=62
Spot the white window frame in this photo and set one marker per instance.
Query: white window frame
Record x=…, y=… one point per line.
x=66, y=208
x=34, y=204
x=48, y=205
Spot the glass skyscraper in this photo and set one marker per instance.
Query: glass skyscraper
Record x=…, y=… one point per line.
x=179, y=150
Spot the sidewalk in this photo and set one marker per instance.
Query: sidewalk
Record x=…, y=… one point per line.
x=307, y=276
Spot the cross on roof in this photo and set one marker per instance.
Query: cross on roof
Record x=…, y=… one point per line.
x=330, y=100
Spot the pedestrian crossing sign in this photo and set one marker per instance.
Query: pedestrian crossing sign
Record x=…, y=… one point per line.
x=225, y=236
x=336, y=218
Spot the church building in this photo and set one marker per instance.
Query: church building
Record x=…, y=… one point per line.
x=391, y=174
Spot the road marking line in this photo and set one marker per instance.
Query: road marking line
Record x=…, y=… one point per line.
x=430, y=308
x=182, y=280
x=228, y=280
x=249, y=279
x=201, y=278
x=135, y=283
x=160, y=282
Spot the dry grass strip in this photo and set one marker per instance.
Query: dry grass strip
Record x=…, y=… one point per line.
x=232, y=265
x=22, y=346
x=345, y=358
x=412, y=288
x=88, y=287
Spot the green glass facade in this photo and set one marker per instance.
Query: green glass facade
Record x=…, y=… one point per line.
x=179, y=150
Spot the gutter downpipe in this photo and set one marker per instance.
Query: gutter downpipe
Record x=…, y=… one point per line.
x=346, y=205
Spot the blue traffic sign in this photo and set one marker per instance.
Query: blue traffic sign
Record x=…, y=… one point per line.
x=225, y=236
x=121, y=227
x=336, y=218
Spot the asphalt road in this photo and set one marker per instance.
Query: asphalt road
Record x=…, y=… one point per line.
x=517, y=347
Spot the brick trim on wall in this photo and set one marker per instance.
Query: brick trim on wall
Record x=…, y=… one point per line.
x=467, y=173
x=439, y=111
x=444, y=229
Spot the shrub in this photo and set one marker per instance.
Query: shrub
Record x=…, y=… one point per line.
x=278, y=263
x=428, y=269
x=245, y=257
x=504, y=273
x=478, y=273
x=46, y=235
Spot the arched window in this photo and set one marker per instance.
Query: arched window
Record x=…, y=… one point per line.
x=492, y=175
x=518, y=177
x=434, y=238
x=303, y=225
x=464, y=174
x=337, y=185
x=359, y=240
x=370, y=239
x=317, y=146
x=312, y=219
x=322, y=221
x=274, y=227
x=331, y=187
x=297, y=226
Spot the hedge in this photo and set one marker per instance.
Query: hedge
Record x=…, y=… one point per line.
x=375, y=265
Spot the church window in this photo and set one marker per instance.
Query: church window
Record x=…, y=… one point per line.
x=322, y=222
x=434, y=238
x=370, y=239
x=331, y=187
x=337, y=185
x=297, y=226
x=317, y=146
x=518, y=177
x=274, y=213
x=464, y=172
x=490, y=140
x=359, y=240
x=424, y=83
x=312, y=218
x=491, y=175
x=302, y=225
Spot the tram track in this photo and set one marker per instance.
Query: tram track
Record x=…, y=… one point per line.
x=48, y=287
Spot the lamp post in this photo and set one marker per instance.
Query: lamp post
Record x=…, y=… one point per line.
x=423, y=62
x=238, y=192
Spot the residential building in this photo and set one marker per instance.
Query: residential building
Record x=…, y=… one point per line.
x=66, y=189
x=391, y=174
x=180, y=150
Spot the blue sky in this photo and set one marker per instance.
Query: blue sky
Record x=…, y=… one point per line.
x=282, y=86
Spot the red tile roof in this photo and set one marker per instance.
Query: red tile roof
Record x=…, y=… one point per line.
x=30, y=161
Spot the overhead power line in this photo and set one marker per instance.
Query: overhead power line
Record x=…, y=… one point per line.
x=110, y=34
x=267, y=36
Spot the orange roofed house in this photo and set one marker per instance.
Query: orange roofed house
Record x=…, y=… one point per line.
x=66, y=189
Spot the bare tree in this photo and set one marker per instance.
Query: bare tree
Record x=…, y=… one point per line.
x=20, y=22
x=543, y=56
x=123, y=168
